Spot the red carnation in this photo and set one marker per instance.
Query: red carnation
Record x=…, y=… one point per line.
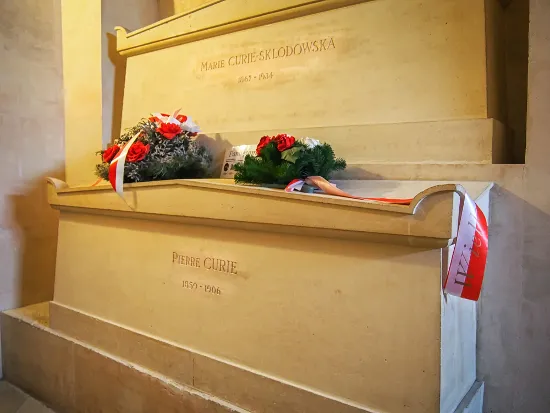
x=169, y=130
x=263, y=143
x=137, y=152
x=109, y=154
x=284, y=141
x=181, y=118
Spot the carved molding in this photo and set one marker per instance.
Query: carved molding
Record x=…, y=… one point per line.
x=187, y=27
x=429, y=221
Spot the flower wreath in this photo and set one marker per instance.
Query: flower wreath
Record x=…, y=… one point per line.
x=164, y=149
x=282, y=158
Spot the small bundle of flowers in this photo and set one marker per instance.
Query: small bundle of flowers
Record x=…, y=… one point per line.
x=282, y=158
x=165, y=149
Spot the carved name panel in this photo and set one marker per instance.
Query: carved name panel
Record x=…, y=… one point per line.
x=347, y=66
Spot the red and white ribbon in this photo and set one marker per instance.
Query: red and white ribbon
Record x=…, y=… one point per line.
x=467, y=268
x=116, y=169
x=328, y=188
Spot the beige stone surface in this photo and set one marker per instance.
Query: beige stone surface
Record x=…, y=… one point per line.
x=31, y=141
x=244, y=388
x=513, y=310
x=473, y=141
x=72, y=377
x=427, y=221
x=93, y=77
x=41, y=365
x=168, y=8
x=216, y=18
x=156, y=355
x=128, y=13
x=103, y=384
x=357, y=87
x=239, y=324
x=82, y=53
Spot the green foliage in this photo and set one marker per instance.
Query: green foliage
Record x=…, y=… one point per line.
x=177, y=158
x=274, y=167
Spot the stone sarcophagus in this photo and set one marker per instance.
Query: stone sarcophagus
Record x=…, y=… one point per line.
x=272, y=301
x=277, y=302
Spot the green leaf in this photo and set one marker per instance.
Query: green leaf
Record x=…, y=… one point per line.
x=291, y=155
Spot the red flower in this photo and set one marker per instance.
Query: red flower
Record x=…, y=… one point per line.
x=137, y=152
x=284, y=141
x=110, y=153
x=263, y=143
x=181, y=118
x=169, y=130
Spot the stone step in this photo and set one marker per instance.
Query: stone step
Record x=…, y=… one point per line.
x=72, y=376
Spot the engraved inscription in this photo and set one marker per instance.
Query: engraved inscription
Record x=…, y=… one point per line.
x=297, y=49
x=208, y=263
x=206, y=288
x=258, y=76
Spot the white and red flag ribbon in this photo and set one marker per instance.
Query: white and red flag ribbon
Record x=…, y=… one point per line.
x=467, y=267
x=116, y=168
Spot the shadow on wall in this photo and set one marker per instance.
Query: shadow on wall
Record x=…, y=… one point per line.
x=35, y=226
x=166, y=8
x=119, y=63
x=514, y=309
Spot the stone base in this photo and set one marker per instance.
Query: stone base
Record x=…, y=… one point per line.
x=78, y=363
x=71, y=376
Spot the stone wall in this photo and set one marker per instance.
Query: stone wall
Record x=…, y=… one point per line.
x=514, y=332
x=31, y=147
x=168, y=8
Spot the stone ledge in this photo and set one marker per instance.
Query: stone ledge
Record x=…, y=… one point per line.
x=237, y=385
x=72, y=376
x=429, y=221
x=217, y=18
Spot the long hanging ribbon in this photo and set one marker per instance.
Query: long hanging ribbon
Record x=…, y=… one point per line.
x=467, y=268
x=116, y=169
x=328, y=188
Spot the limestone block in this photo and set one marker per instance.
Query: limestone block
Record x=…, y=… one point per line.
x=369, y=72
x=338, y=68
x=73, y=377
x=315, y=292
x=247, y=389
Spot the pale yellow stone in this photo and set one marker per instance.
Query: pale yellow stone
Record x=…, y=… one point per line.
x=475, y=141
x=82, y=84
x=247, y=389
x=324, y=312
x=376, y=95
x=336, y=297
x=71, y=376
x=372, y=75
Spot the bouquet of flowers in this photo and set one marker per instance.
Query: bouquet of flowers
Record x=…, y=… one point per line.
x=281, y=159
x=164, y=149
